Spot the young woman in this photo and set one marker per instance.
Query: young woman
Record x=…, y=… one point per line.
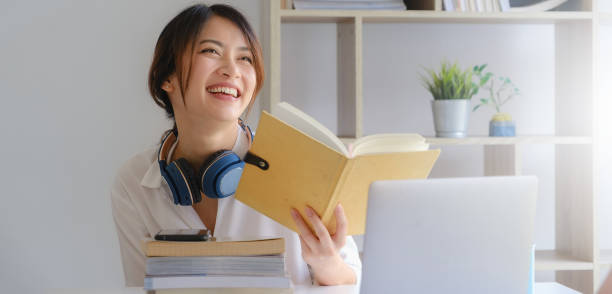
x=206, y=71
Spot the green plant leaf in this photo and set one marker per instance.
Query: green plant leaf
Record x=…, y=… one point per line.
x=451, y=82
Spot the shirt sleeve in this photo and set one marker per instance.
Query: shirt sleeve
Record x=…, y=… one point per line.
x=350, y=255
x=130, y=231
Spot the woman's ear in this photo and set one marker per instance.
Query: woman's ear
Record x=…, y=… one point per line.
x=167, y=86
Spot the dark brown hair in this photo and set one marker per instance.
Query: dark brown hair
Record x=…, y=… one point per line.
x=179, y=37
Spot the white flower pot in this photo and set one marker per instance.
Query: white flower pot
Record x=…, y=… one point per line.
x=451, y=117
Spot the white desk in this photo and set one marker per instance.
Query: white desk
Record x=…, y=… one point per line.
x=540, y=288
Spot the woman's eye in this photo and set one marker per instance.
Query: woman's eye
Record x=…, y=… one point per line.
x=248, y=59
x=208, y=50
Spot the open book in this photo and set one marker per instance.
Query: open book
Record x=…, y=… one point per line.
x=309, y=165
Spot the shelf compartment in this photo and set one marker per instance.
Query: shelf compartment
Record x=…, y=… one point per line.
x=606, y=257
x=422, y=16
x=552, y=260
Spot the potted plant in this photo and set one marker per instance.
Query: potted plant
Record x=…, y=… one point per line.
x=452, y=89
x=499, y=91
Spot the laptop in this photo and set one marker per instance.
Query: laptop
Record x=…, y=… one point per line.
x=455, y=235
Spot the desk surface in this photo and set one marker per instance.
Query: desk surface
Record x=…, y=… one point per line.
x=540, y=288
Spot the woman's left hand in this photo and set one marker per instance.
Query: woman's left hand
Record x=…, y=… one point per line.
x=321, y=250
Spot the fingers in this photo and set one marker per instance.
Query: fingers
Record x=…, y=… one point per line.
x=306, y=251
x=319, y=227
x=339, y=238
x=303, y=230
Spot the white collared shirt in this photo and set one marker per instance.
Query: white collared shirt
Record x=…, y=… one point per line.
x=142, y=205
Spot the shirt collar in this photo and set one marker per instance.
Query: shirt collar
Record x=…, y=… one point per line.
x=153, y=178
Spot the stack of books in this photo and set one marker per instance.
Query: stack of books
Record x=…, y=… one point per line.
x=224, y=265
x=477, y=5
x=350, y=4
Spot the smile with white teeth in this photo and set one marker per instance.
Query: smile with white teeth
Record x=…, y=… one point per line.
x=225, y=90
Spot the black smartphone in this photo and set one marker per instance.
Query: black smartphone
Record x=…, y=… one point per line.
x=183, y=235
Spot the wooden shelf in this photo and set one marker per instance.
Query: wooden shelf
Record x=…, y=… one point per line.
x=485, y=140
x=551, y=260
x=606, y=257
x=605, y=18
x=424, y=16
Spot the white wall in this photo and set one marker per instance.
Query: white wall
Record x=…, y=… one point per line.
x=73, y=80
x=605, y=134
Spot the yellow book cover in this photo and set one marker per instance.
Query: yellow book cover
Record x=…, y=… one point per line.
x=309, y=165
x=215, y=247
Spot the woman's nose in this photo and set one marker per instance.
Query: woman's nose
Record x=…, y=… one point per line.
x=229, y=69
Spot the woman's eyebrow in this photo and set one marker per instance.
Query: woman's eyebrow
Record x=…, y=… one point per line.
x=243, y=48
x=212, y=41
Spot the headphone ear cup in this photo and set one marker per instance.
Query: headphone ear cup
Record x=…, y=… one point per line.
x=167, y=174
x=220, y=174
x=190, y=180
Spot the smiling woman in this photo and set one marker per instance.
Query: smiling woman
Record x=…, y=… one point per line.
x=206, y=72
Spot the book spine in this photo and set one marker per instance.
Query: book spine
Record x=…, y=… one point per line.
x=496, y=6
x=448, y=5
x=328, y=215
x=480, y=5
x=488, y=5
x=505, y=5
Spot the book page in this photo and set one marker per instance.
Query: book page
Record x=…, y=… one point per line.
x=388, y=143
x=308, y=125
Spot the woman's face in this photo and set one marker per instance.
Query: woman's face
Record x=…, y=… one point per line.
x=223, y=77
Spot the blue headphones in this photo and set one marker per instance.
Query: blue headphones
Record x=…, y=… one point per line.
x=218, y=177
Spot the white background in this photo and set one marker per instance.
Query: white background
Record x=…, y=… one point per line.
x=75, y=106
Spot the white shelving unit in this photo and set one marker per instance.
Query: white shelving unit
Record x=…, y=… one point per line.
x=606, y=257
x=576, y=259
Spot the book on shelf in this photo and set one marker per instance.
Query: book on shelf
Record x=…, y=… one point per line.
x=349, y=5
x=480, y=5
x=472, y=5
x=537, y=7
x=180, y=283
x=496, y=7
x=308, y=165
x=504, y=5
x=460, y=5
x=477, y=5
x=449, y=5
x=215, y=247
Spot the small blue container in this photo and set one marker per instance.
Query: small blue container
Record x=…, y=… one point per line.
x=502, y=129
